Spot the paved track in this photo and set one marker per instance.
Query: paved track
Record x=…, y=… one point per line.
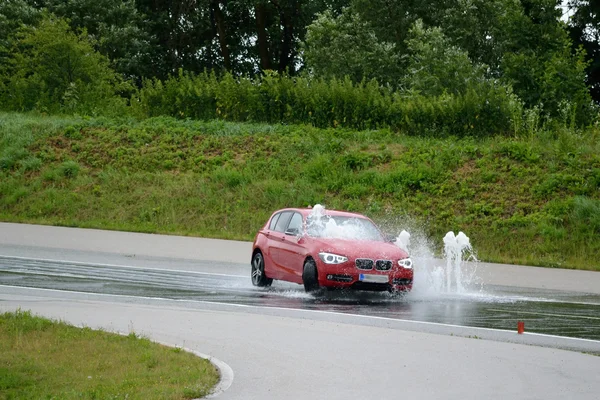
x=297, y=354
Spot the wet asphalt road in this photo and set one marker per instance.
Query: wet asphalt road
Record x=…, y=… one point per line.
x=279, y=343
x=543, y=311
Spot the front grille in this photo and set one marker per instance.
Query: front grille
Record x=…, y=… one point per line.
x=364, y=263
x=401, y=281
x=383, y=265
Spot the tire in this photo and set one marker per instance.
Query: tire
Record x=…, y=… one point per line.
x=310, y=276
x=257, y=272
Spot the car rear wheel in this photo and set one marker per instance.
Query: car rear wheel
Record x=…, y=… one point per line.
x=310, y=276
x=259, y=278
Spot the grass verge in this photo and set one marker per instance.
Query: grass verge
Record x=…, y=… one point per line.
x=44, y=359
x=527, y=200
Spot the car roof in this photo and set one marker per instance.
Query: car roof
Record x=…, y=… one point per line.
x=306, y=211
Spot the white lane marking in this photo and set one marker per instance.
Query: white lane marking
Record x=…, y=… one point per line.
x=310, y=311
x=545, y=314
x=116, y=266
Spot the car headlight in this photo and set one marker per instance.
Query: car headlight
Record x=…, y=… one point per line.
x=405, y=263
x=330, y=258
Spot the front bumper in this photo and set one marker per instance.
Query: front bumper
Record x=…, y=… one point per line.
x=346, y=275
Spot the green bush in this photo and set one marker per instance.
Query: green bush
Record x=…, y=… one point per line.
x=31, y=164
x=11, y=156
x=69, y=169
x=482, y=110
x=586, y=214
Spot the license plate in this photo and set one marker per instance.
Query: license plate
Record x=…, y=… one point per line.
x=373, y=278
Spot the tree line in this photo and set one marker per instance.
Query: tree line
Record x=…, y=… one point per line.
x=95, y=56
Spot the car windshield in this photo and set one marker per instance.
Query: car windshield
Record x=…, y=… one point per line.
x=336, y=227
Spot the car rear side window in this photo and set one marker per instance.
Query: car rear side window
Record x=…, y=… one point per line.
x=274, y=221
x=283, y=220
x=296, y=223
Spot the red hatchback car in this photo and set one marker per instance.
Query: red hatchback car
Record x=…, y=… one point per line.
x=332, y=249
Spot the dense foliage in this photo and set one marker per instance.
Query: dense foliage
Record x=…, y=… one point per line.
x=460, y=51
x=584, y=31
x=478, y=110
x=53, y=69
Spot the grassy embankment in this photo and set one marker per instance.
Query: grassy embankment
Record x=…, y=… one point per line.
x=532, y=200
x=40, y=358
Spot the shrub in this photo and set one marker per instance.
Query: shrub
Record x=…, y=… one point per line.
x=586, y=214
x=11, y=156
x=31, y=164
x=69, y=169
x=482, y=109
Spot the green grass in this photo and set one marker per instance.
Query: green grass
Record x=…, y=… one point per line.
x=44, y=359
x=531, y=200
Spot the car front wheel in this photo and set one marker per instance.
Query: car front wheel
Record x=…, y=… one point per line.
x=258, y=271
x=310, y=276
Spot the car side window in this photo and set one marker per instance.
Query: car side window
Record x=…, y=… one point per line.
x=283, y=220
x=295, y=225
x=274, y=221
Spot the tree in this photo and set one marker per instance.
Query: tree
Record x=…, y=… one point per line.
x=56, y=69
x=539, y=63
x=244, y=37
x=391, y=20
x=521, y=42
x=347, y=46
x=584, y=29
x=13, y=14
x=436, y=66
x=115, y=26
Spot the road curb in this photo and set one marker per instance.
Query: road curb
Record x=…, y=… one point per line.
x=225, y=371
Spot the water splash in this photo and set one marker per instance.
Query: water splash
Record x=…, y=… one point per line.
x=457, y=249
x=403, y=240
x=455, y=274
x=320, y=224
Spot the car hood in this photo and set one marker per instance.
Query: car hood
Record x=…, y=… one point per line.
x=359, y=248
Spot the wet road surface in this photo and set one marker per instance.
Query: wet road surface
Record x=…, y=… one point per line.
x=500, y=307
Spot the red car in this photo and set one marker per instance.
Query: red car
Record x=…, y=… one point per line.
x=332, y=249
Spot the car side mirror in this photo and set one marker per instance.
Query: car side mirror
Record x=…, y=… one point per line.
x=390, y=238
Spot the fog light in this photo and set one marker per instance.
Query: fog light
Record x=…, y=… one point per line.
x=329, y=277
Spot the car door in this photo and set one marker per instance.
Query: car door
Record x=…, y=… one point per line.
x=292, y=251
x=267, y=254
x=275, y=246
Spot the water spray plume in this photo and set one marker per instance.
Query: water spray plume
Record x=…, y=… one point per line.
x=403, y=240
x=452, y=275
x=456, y=247
x=320, y=224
